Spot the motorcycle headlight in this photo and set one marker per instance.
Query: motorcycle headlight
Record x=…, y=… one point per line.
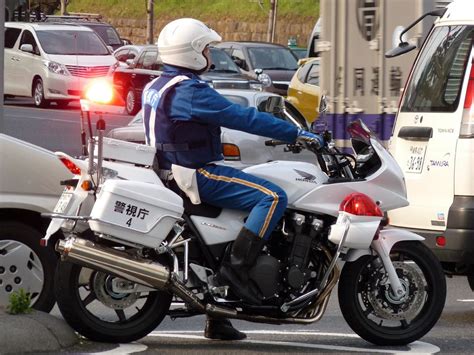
x=265, y=80
x=56, y=68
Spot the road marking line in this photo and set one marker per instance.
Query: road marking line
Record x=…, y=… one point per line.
x=417, y=347
x=124, y=349
x=461, y=300
x=295, y=332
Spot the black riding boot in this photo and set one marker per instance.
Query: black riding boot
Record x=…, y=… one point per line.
x=222, y=329
x=237, y=264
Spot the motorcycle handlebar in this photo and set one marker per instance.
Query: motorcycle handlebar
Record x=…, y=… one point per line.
x=274, y=143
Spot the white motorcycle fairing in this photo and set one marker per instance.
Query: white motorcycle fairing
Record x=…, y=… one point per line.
x=317, y=195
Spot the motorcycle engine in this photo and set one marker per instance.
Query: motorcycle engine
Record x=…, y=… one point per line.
x=266, y=274
x=287, y=269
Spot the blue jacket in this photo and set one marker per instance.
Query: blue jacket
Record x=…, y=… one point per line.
x=187, y=118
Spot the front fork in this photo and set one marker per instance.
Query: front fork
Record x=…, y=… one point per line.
x=384, y=254
x=387, y=238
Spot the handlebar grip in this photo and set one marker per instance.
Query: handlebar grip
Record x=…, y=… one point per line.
x=273, y=143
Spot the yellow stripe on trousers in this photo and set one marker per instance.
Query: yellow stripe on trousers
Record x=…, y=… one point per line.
x=249, y=184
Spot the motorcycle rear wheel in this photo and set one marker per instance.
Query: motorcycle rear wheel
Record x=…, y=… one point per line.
x=368, y=305
x=90, y=306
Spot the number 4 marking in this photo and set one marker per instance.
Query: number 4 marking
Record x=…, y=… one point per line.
x=129, y=222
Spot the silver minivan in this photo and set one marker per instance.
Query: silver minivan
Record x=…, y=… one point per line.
x=433, y=141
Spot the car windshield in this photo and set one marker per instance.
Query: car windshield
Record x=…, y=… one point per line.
x=271, y=58
x=108, y=34
x=71, y=42
x=222, y=62
x=299, y=52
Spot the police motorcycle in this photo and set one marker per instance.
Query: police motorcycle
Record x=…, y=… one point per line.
x=130, y=246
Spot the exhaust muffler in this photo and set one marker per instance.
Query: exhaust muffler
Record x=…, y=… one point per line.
x=115, y=262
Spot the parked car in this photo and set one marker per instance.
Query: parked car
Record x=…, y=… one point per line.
x=130, y=79
x=304, y=91
x=272, y=64
x=240, y=149
x=106, y=31
x=29, y=186
x=433, y=140
x=53, y=62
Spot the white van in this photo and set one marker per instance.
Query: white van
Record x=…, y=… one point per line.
x=53, y=62
x=433, y=141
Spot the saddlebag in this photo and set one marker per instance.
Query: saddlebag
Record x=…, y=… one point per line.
x=138, y=212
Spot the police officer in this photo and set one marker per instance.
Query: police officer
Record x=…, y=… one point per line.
x=182, y=119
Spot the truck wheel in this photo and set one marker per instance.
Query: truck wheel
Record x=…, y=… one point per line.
x=132, y=104
x=38, y=93
x=25, y=264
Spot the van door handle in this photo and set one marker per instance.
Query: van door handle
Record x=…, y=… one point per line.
x=416, y=133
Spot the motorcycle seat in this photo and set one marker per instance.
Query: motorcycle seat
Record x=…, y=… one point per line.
x=203, y=209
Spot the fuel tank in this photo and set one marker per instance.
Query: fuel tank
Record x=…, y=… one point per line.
x=296, y=178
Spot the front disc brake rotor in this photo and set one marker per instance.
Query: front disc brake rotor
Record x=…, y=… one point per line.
x=380, y=295
x=102, y=285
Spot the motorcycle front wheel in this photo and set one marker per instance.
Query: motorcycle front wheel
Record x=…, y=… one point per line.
x=370, y=307
x=89, y=304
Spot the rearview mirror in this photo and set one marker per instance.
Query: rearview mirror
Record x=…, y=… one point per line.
x=27, y=48
x=323, y=104
x=403, y=47
x=275, y=105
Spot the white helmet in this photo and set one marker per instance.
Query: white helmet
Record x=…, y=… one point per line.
x=181, y=43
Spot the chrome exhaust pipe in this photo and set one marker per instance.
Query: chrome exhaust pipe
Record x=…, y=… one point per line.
x=118, y=263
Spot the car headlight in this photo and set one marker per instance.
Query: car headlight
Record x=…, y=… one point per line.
x=265, y=79
x=56, y=68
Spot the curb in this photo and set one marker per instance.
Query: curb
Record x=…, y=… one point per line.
x=34, y=332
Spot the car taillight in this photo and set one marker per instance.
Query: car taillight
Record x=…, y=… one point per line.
x=69, y=164
x=467, y=124
x=230, y=151
x=360, y=204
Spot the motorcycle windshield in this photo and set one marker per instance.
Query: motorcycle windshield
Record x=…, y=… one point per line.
x=359, y=131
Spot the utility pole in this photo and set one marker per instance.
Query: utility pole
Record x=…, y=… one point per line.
x=149, y=21
x=63, y=7
x=272, y=21
x=2, y=50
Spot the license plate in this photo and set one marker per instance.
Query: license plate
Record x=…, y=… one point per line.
x=416, y=158
x=63, y=202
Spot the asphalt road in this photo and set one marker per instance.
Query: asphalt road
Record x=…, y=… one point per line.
x=51, y=128
x=452, y=334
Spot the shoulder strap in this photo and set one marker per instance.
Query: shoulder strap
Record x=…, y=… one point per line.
x=172, y=82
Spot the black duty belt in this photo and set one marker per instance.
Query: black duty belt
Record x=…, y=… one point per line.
x=179, y=147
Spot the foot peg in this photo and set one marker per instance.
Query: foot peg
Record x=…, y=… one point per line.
x=220, y=291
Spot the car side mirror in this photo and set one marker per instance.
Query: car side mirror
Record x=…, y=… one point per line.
x=275, y=105
x=402, y=48
x=323, y=104
x=27, y=48
x=129, y=62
